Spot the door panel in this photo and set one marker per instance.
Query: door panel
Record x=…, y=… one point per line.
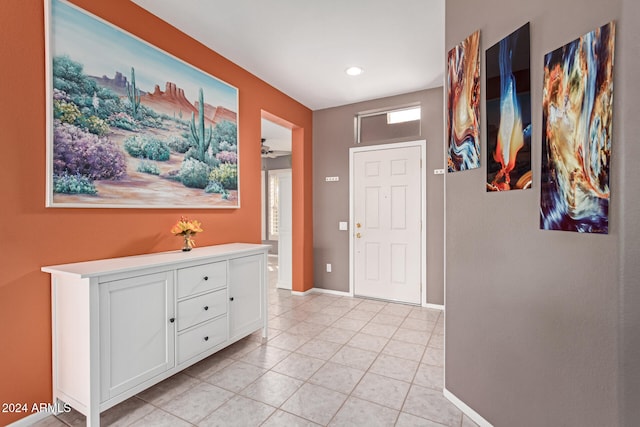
x=388, y=209
x=372, y=207
x=398, y=208
x=372, y=260
x=398, y=263
x=245, y=295
x=137, y=335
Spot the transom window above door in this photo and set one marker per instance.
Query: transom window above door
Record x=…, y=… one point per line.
x=388, y=124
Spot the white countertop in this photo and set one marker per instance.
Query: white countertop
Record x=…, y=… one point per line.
x=119, y=265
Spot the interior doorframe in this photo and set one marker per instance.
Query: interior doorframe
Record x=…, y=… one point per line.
x=284, y=263
x=263, y=199
x=423, y=203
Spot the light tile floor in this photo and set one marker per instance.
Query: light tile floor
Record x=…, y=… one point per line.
x=329, y=361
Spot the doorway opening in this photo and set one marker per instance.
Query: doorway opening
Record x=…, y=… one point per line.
x=277, y=208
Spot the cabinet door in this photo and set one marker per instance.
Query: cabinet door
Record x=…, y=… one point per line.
x=246, y=295
x=137, y=331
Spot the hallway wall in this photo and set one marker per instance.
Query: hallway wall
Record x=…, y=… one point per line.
x=532, y=323
x=333, y=135
x=34, y=236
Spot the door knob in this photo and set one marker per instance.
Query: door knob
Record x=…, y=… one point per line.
x=358, y=235
x=358, y=225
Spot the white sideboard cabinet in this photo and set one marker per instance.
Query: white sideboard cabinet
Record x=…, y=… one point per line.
x=121, y=325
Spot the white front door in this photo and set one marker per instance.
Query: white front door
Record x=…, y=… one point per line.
x=387, y=214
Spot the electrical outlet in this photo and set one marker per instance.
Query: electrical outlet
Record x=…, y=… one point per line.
x=438, y=171
x=332, y=178
x=328, y=268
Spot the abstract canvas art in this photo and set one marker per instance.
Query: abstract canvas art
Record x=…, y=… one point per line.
x=576, y=133
x=463, y=105
x=131, y=126
x=508, y=112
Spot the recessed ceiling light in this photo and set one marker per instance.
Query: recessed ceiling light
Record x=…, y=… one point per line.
x=354, y=71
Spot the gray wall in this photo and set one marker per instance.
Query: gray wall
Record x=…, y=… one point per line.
x=333, y=135
x=628, y=129
x=542, y=326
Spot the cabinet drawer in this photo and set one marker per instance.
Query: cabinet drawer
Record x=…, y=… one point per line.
x=201, y=278
x=202, y=338
x=201, y=308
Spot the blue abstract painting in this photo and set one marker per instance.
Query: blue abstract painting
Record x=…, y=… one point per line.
x=508, y=113
x=577, y=111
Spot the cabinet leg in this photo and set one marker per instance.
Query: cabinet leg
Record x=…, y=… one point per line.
x=93, y=414
x=93, y=419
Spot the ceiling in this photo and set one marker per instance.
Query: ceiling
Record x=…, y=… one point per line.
x=276, y=137
x=303, y=47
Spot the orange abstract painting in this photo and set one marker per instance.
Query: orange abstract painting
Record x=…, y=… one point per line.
x=463, y=105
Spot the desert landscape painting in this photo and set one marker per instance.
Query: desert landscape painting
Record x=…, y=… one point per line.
x=132, y=126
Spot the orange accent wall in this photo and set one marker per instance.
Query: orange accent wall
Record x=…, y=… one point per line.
x=32, y=236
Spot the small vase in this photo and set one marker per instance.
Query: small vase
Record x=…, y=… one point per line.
x=187, y=243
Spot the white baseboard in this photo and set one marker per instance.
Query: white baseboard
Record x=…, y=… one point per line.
x=331, y=292
x=348, y=294
x=435, y=306
x=30, y=420
x=466, y=409
x=321, y=291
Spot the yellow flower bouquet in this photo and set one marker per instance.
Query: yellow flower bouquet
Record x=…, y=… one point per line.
x=187, y=229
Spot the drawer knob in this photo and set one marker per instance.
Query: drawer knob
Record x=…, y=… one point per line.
x=206, y=307
x=206, y=338
x=206, y=277
x=173, y=319
x=231, y=299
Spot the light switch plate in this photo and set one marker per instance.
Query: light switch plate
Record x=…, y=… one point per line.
x=343, y=226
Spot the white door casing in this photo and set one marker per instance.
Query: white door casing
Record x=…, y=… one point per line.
x=387, y=212
x=263, y=198
x=285, y=230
